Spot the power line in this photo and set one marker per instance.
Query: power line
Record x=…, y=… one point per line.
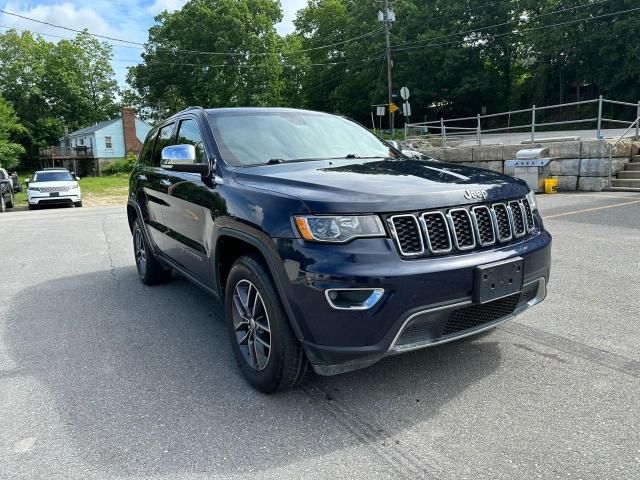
x=520, y=32
x=199, y=52
x=488, y=27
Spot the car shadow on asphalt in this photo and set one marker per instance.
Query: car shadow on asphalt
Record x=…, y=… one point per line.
x=143, y=380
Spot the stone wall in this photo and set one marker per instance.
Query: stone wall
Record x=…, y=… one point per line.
x=578, y=165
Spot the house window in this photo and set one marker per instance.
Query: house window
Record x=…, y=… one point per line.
x=82, y=141
x=108, y=144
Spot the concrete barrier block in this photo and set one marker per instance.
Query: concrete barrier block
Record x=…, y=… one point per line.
x=592, y=184
x=599, y=167
x=437, y=153
x=567, y=183
x=487, y=153
x=509, y=151
x=563, y=149
x=594, y=149
x=568, y=166
x=459, y=154
x=495, y=165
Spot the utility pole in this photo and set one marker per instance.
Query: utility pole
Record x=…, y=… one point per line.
x=389, y=17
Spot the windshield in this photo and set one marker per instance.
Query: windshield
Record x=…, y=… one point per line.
x=252, y=138
x=58, y=176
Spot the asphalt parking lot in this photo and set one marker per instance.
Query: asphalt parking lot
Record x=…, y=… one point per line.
x=102, y=378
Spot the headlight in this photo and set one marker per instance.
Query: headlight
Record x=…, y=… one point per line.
x=74, y=186
x=531, y=197
x=339, y=229
x=34, y=189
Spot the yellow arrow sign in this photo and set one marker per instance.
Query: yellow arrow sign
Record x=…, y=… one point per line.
x=393, y=108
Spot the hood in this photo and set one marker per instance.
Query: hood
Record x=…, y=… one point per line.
x=381, y=186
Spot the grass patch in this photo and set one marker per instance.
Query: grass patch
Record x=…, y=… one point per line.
x=92, y=187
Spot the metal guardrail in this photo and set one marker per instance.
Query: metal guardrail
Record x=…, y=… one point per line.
x=636, y=122
x=440, y=128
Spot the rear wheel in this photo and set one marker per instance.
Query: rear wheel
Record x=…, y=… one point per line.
x=150, y=270
x=263, y=343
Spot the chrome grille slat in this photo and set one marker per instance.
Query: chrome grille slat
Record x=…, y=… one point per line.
x=503, y=222
x=528, y=214
x=406, y=230
x=437, y=232
x=484, y=224
x=517, y=217
x=462, y=228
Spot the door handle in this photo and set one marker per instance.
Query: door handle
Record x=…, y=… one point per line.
x=165, y=182
x=142, y=178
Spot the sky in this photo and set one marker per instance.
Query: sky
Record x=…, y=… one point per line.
x=126, y=19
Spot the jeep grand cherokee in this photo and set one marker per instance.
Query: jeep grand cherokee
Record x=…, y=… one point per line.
x=328, y=246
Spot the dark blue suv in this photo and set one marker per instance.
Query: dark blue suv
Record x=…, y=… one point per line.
x=328, y=246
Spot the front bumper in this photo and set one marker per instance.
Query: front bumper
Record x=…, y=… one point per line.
x=44, y=198
x=420, y=297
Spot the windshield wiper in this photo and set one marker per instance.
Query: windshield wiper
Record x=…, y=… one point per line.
x=275, y=161
x=351, y=155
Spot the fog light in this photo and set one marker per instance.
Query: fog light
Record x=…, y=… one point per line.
x=353, y=298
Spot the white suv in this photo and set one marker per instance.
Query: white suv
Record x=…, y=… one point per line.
x=53, y=186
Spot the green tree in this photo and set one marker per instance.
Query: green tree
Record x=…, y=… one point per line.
x=51, y=85
x=10, y=128
x=173, y=75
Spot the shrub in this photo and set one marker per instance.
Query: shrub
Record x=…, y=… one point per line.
x=122, y=165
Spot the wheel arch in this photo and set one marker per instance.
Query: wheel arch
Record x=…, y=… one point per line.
x=232, y=244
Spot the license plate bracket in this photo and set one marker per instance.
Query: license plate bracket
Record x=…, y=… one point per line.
x=497, y=280
x=54, y=194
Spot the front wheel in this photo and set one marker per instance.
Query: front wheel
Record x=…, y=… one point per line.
x=263, y=343
x=11, y=201
x=78, y=204
x=3, y=206
x=150, y=270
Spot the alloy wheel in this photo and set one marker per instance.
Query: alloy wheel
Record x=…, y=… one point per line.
x=251, y=325
x=140, y=252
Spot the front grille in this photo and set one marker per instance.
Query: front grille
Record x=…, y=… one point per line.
x=461, y=229
x=519, y=227
x=476, y=315
x=407, y=233
x=53, y=189
x=437, y=232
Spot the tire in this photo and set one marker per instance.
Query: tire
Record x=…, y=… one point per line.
x=281, y=365
x=78, y=204
x=3, y=206
x=33, y=207
x=11, y=201
x=150, y=270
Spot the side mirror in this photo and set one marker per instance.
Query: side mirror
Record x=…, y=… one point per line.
x=77, y=179
x=394, y=144
x=182, y=158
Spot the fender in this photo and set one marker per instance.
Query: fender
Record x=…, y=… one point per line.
x=264, y=244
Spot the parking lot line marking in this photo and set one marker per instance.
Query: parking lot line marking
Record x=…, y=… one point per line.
x=632, y=197
x=585, y=210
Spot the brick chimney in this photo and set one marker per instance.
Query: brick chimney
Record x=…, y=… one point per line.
x=131, y=142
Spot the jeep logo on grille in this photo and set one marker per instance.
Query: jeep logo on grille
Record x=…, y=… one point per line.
x=475, y=195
